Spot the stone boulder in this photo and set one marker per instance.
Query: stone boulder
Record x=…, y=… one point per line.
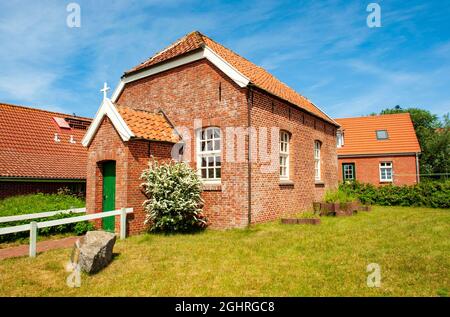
x=96, y=250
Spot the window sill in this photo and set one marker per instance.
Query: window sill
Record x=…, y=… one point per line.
x=286, y=182
x=386, y=182
x=319, y=183
x=212, y=186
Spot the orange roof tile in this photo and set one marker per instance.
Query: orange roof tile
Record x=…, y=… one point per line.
x=360, y=135
x=148, y=125
x=257, y=75
x=28, y=148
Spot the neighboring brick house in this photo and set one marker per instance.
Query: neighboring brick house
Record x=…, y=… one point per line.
x=40, y=151
x=379, y=150
x=212, y=99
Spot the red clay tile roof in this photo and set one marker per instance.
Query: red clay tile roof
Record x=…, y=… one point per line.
x=148, y=125
x=28, y=149
x=257, y=75
x=360, y=135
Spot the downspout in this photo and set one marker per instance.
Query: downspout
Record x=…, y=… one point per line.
x=249, y=154
x=417, y=168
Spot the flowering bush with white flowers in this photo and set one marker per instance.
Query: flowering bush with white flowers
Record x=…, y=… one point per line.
x=173, y=196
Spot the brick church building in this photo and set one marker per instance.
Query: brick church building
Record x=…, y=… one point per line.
x=199, y=94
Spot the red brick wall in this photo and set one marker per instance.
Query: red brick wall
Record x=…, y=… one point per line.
x=192, y=92
x=131, y=159
x=367, y=169
x=270, y=199
x=8, y=189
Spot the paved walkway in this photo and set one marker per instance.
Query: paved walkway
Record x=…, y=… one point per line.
x=41, y=247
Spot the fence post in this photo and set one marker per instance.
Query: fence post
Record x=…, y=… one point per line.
x=123, y=223
x=33, y=238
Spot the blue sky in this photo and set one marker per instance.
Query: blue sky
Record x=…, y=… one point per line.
x=323, y=49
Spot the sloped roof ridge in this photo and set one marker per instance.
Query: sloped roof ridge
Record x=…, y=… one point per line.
x=44, y=110
x=159, y=53
x=375, y=116
x=254, y=74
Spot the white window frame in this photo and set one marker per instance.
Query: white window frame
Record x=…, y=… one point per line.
x=285, y=139
x=344, y=165
x=340, y=139
x=384, y=166
x=209, y=154
x=317, y=163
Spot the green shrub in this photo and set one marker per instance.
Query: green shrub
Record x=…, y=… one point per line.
x=339, y=196
x=28, y=204
x=36, y=203
x=174, y=203
x=78, y=228
x=83, y=227
x=434, y=194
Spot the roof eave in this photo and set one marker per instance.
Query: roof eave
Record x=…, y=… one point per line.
x=409, y=153
x=108, y=109
x=331, y=121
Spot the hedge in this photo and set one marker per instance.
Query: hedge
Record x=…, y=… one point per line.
x=435, y=194
x=34, y=203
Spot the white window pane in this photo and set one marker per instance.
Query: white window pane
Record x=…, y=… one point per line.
x=209, y=134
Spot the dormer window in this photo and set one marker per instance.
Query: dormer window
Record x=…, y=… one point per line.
x=382, y=135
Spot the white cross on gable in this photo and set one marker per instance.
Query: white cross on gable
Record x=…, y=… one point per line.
x=105, y=90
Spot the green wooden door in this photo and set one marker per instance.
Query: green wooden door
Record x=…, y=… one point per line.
x=109, y=193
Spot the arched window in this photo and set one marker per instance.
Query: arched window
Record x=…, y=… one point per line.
x=284, y=155
x=209, y=154
x=317, y=173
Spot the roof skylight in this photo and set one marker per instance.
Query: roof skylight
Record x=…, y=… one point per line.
x=382, y=135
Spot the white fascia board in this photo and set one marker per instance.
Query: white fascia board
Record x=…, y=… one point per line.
x=206, y=52
x=225, y=67
x=155, y=70
x=117, y=91
x=107, y=109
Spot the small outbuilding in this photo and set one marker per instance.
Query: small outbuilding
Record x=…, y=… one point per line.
x=41, y=151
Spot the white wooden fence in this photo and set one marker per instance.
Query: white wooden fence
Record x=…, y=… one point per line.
x=33, y=226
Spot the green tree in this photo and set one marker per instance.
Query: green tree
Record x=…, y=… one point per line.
x=434, y=138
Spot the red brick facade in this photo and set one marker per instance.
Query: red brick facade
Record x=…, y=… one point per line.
x=131, y=159
x=200, y=91
x=367, y=169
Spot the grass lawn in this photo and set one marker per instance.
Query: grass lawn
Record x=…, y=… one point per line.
x=412, y=246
